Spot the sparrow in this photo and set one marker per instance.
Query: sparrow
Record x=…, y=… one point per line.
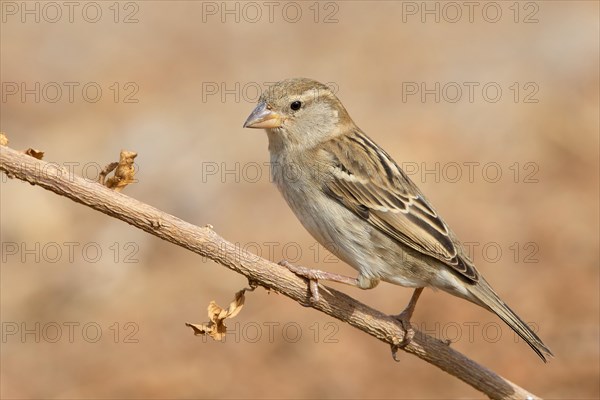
x=354, y=199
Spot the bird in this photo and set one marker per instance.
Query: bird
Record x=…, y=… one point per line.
x=355, y=200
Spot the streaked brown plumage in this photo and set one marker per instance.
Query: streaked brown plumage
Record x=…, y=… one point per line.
x=354, y=199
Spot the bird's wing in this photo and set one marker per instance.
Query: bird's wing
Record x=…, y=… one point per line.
x=369, y=183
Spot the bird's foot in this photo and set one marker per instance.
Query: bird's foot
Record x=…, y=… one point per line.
x=409, y=332
x=313, y=276
x=404, y=318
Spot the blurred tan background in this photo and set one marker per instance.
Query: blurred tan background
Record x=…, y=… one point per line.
x=93, y=308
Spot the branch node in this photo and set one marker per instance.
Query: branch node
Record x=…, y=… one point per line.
x=155, y=223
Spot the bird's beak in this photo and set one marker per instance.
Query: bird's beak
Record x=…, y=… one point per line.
x=264, y=118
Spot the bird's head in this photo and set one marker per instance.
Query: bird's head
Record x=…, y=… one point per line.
x=298, y=114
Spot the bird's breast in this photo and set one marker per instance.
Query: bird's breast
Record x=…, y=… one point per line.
x=332, y=225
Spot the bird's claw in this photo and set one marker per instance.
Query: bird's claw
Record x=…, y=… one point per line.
x=404, y=318
x=395, y=348
x=310, y=274
x=409, y=332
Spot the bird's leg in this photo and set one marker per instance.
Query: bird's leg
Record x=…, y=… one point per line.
x=404, y=318
x=314, y=275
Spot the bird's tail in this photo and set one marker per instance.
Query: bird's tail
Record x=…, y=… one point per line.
x=486, y=297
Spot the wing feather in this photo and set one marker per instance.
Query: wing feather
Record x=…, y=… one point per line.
x=372, y=185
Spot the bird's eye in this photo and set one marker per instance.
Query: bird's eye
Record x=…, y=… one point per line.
x=295, y=106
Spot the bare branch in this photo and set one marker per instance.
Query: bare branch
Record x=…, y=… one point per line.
x=205, y=242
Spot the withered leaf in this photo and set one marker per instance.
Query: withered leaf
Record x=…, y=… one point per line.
x=216, y=327
x=124, y=172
